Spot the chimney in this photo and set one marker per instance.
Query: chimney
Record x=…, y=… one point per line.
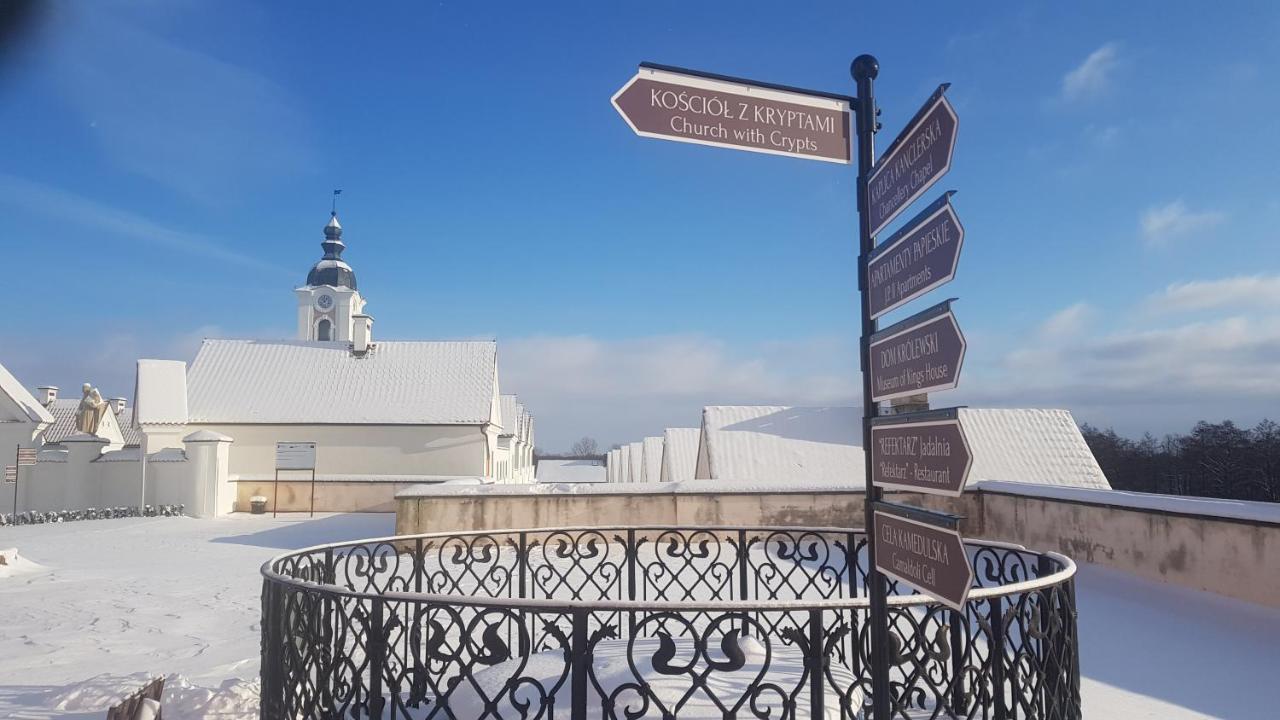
x=361, y=334
x=117, y=405
x=48, y=393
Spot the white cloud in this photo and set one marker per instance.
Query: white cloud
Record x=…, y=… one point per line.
x=1067, y=322
x=200, y=125
x=1092, y=76
x=1164, y=223
x=65, y=206
x=1244, y=291
x=621, y=390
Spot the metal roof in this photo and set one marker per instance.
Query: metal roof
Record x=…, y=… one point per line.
x=64, y=422
x=22, y=398
x=308, y=382
x=652, y=460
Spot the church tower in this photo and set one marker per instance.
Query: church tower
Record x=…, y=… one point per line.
x=329, y=305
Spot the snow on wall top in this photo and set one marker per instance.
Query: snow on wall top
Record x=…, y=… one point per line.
x=652, y=461
x=292, y=381
x=571, y=471
x=22, y=398
x=679, y=454
x=821, y=444
x=160, y=393
x=766, y=442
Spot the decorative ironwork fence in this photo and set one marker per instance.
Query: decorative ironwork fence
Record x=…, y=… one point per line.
x=654, y=622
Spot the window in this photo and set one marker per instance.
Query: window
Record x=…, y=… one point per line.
x=324, y=330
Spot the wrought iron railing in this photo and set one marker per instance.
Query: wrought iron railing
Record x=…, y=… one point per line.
x=660, y=622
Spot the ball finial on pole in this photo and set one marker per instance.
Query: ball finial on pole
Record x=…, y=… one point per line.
x=865, y=66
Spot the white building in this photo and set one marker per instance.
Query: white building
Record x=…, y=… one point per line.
x=822, y=445
x=651, y=464
x=383, y=414
x=635, y=462
x=679, y=454
x=624, y=464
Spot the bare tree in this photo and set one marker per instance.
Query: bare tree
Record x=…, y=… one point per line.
x=585, y=447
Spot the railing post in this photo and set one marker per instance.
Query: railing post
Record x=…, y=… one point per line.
x=271, y=642
x=817, y=664
x=581, y=659
x=995, y=655
x=522, y=558
x=377, y=649
x=1074, y=645
x=419, y=564
x=742, y=564
x=958, y=703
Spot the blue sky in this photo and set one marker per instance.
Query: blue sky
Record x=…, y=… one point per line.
x=168, y=166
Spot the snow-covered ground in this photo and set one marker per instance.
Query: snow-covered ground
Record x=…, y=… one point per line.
x=94, y=608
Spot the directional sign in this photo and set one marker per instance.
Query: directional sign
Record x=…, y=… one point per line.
x=295, y=456
x=735, y=114
x=928, y=558
x=26, y=456
x=918, y=258
x=920, y=452
x=918, y=355
x=10, y=473
x=914, y=162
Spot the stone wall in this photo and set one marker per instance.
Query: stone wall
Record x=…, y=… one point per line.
x=1194, y=545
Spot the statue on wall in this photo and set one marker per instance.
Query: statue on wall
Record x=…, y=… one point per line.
x=92, y=408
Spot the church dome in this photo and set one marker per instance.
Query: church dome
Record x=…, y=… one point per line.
x=332, y=270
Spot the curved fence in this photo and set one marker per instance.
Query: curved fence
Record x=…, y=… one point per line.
x=653, y=622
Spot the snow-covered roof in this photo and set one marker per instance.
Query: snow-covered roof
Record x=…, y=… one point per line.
x=64, y=410
x=635, y=461
x=651, y=464
x=624, y=464
x=611, y=465
x=765, y=442
x=22, y=399
x=819, y=444
x=571, y=471
x=679, y=454
x=294, y=381
x=160, y=393
x=511, y=419
x=1041, y=447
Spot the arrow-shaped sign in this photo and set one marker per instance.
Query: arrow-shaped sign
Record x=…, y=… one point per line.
x=920, y=452
x=920, y=257
x=722, y=112
x=930, y=559
x=914, y=162
x=918, y=355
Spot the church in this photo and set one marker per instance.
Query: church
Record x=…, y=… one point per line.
x=382, y=414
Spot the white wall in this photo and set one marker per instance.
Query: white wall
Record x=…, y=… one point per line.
x=361, y=449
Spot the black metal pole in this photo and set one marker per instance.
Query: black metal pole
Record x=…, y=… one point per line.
x=865, y=69
x=17, y=450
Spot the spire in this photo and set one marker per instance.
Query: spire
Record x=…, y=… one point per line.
x=332, y=269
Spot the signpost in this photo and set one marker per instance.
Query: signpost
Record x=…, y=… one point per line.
x=22, y=456
x=924, y=452
x=923, y=255
x=922, y=554
x=918, y=355
x=681, y=105
x=920, y=452
x=295, y=456
x=917, y=159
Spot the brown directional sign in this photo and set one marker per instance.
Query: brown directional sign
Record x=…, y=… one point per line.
x=920, y=452
x=10, y=473
x=928, y=558
x=26, y=456
x=914, y=161
x=735, y=114
x=918, y=355
x=921, y=256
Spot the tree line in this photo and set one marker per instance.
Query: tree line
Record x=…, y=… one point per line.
x=1218, y=460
